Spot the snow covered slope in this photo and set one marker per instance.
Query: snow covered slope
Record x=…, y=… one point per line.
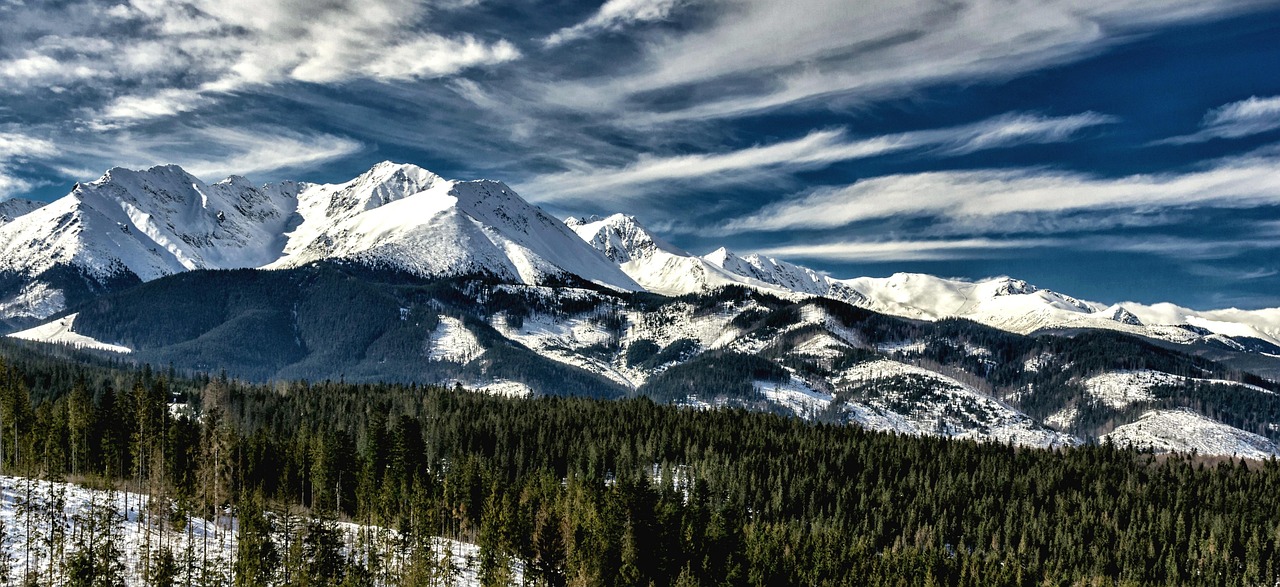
x=785, y=276
x=61, y=331
x=131, y=226
x=135, y=225
x=653, y=263
x=455, y=228
x=1005, y=303
x=197, y=542
x=1183, y=430
x=13, y=208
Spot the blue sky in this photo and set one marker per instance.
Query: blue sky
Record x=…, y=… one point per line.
x=1113, y=150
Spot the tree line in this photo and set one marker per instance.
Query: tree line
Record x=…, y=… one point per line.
x=577, y=491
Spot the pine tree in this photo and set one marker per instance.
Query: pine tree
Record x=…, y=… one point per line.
x=256, y=557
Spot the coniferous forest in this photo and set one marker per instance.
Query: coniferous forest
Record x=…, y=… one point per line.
x=591, y=492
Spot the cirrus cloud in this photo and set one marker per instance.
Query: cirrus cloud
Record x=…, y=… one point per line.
x=1231, y=121
x=815, y=150
x=991, y=193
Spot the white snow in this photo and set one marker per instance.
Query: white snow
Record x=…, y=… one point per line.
x=795, y=395
x=451, y=341
x=36, y=299
x=822, y=346
x=61, y=331
x=905, y=346
x=218, y=536
x=1122, y=388
x=163, y=221
x=506, y=388
x=14, y=208
x=953, y=409
x=1119, y=389
x=455, y=228
x=1064, y=418
x=1183, y=430
x=560, y=338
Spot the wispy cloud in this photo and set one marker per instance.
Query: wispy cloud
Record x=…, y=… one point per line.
x=15, y=149
x=1238, y=182
x=213, y=153
x=178, y=56
x=128, y=109
x=612, y=16
x=806, y=49
x=906, y=250
x=983, y=247
x=815, y=150
x=1238, y=119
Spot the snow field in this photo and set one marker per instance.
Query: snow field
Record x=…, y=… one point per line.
x=198, y=539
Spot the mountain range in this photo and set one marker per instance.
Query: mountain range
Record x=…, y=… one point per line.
x=400, y=274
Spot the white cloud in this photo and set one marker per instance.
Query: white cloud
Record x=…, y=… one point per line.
x=613, y=16
x=182, y=53
x=982, y=247
x=815, y=150
x=15, y=149
x=1184, y=249
x=126, y=109
x=437, y=56
x=246, y=152
x=1238, y=119
x=210, y=153
x=905, y=250
x=807, y=49
x=1238, y=182
x=37, y=70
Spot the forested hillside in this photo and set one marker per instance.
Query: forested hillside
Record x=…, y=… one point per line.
x=590, y=492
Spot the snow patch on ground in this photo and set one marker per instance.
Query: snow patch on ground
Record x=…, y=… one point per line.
x=35, y=300
x=61, y=331
x=506, y=388
x=795, y=396
x=1119, y=389
x=561, y=338
x=452, y=342
x=949, y=408
x=1064, y=418
x=907, y=346
x=1122, y=388
x=822, y=346
x=1183, y=430
x=219, y=536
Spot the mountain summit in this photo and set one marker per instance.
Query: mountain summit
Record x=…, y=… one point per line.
x=135, y=226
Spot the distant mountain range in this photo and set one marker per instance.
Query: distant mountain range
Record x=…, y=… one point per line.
x=402, y=275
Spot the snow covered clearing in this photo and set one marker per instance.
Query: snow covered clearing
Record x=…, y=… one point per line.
x=506, y=388
x=61, y=331
x=1183, y=430
x=71, y=509
x=452, y=342
x=894, y=396
x=1119, y=389
x=796, y=396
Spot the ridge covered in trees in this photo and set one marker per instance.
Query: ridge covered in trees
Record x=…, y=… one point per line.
x=590, y=492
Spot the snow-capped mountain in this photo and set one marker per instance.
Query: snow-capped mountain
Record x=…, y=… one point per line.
x=656, y=265
x=1009, y=304
x=533, y=305
x=446, y=228
x=136, y=226
x=13, y=208
x=132, y=226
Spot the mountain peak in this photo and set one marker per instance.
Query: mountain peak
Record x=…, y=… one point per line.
x=621, y=237
x=15, y=208
x=719, y=256
x=1006, y=286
